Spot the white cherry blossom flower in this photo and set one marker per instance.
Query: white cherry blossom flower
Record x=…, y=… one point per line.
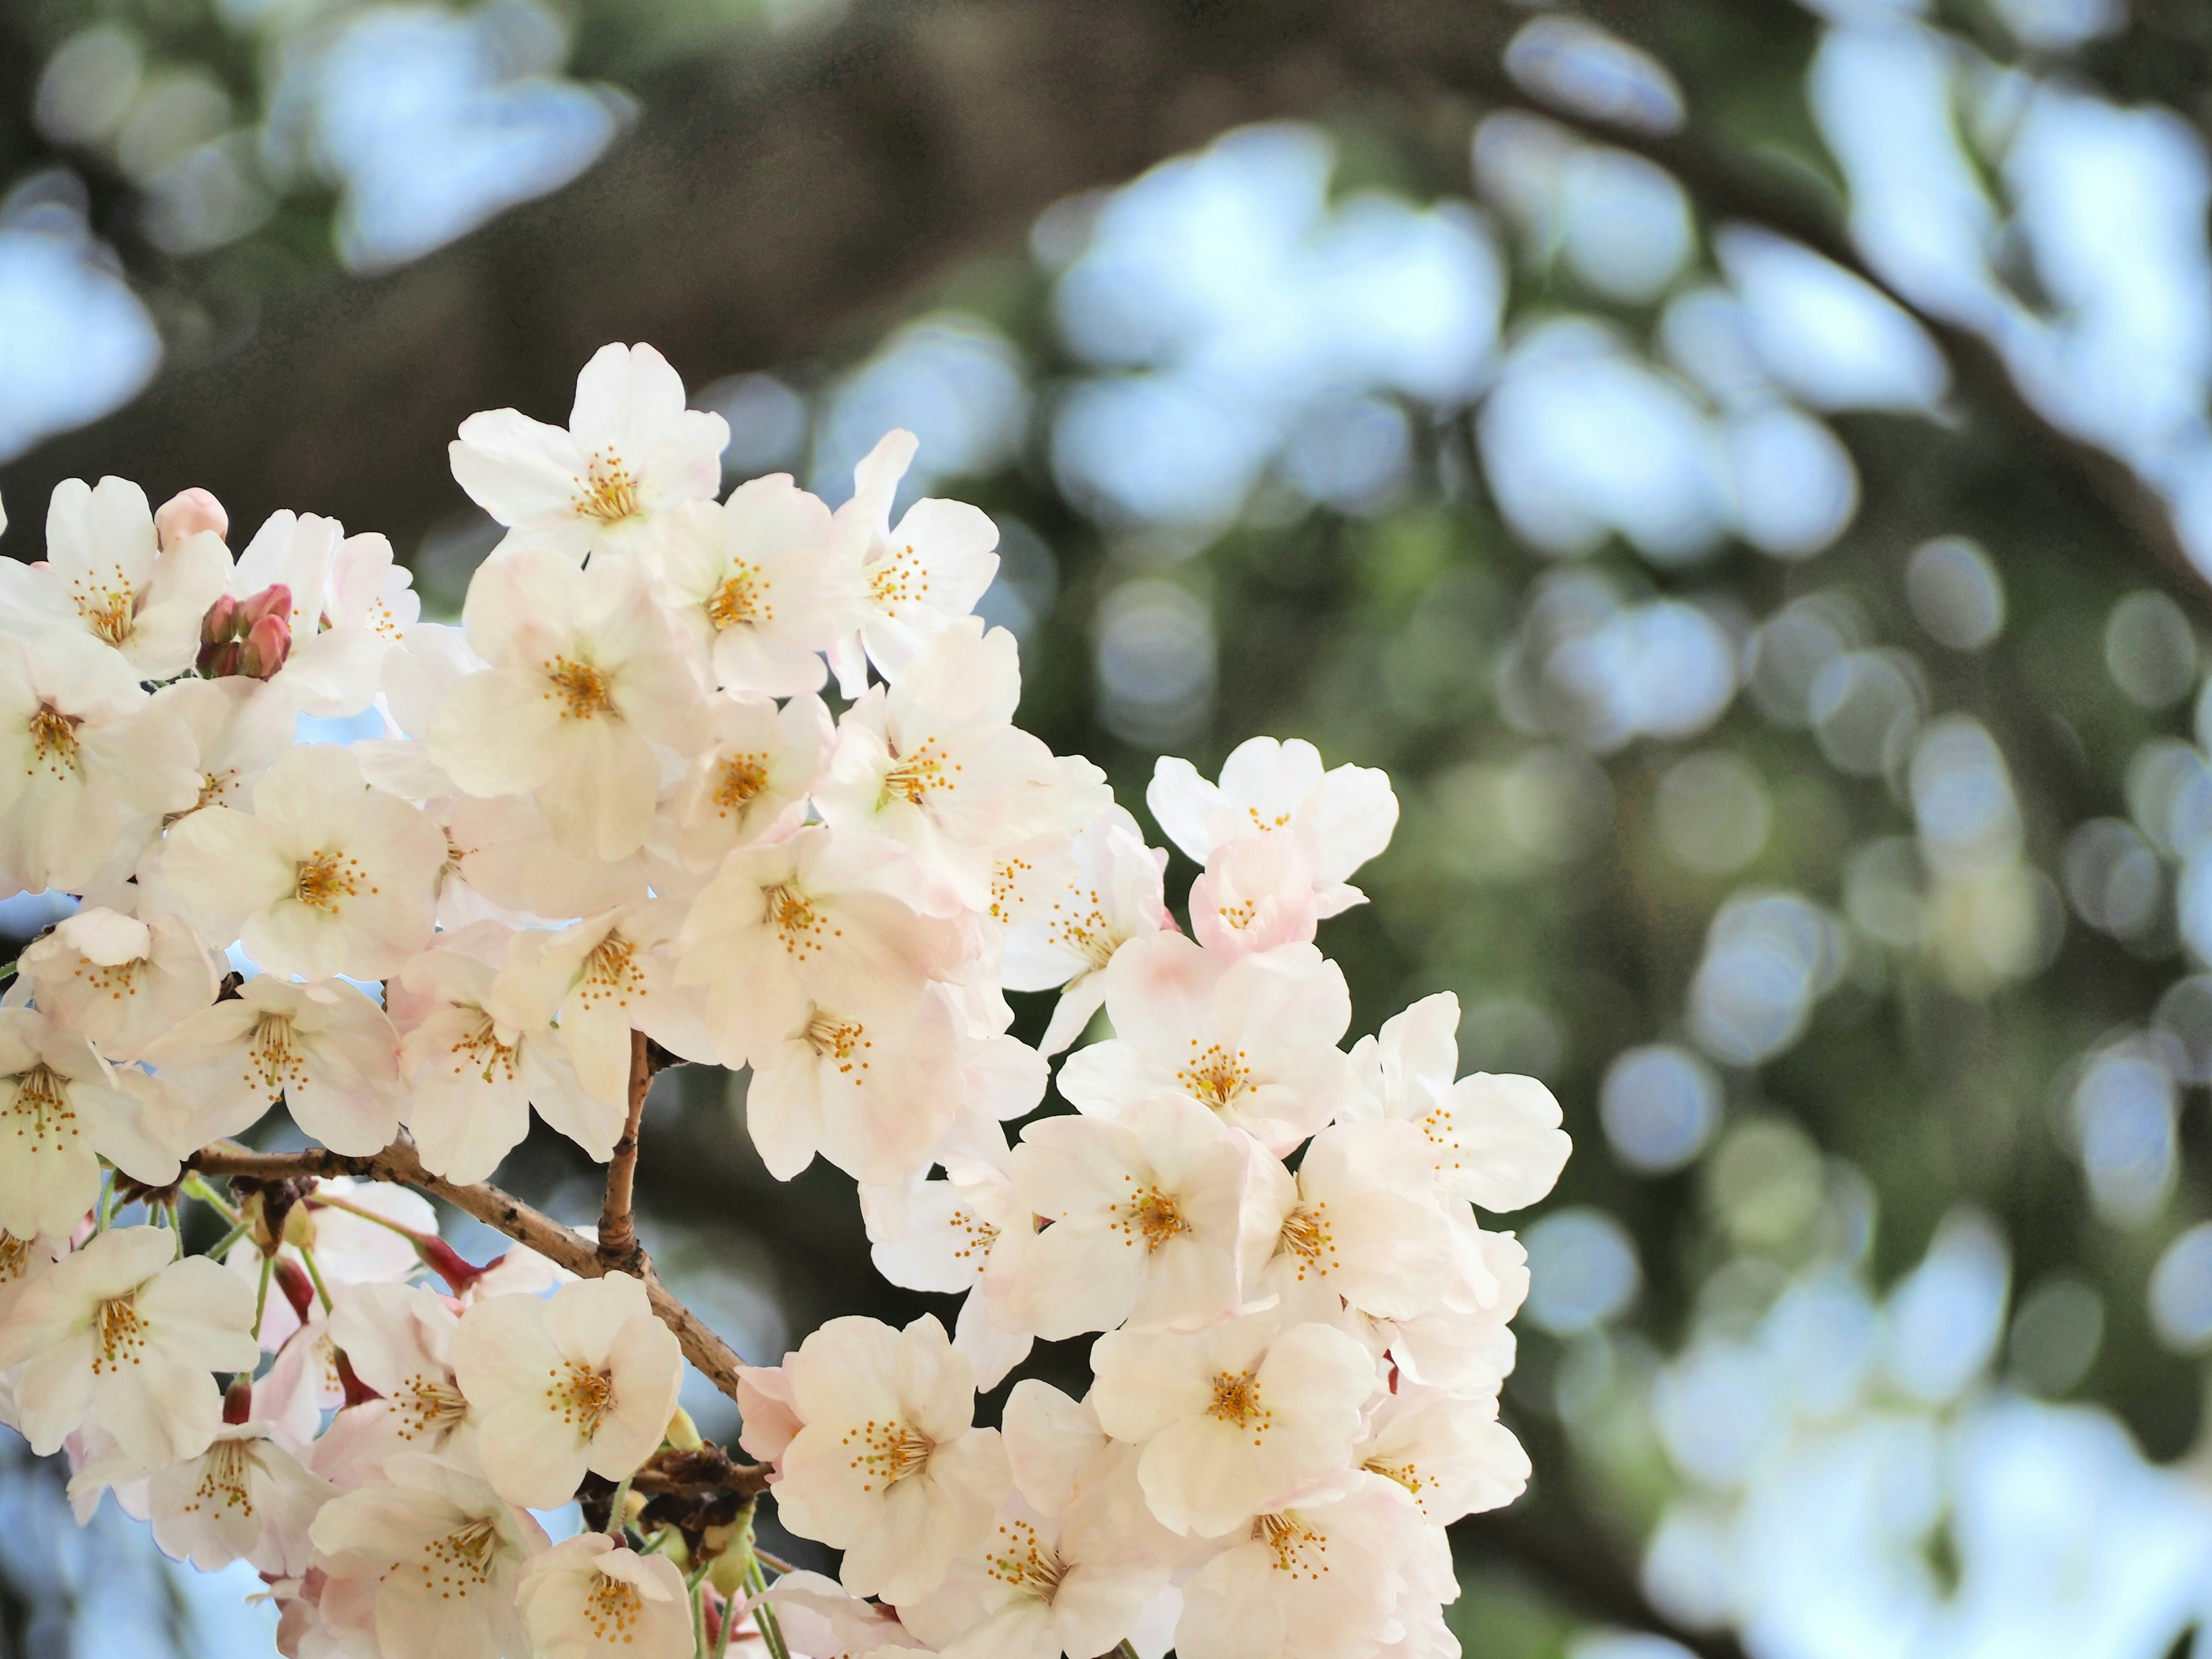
x=1040, y=1587
x=1317, y=1580
x=325, y=1049
x=1066, y=917
x=872, y=1092
x=585, y=677
x=935, y=761
x=475, y=1064
x=247, y=1498
x=630, y=453
x=585, y=1380
x=348, y=602
x=1233, y=1418
x=590, y=1596
x=350, y=1249
x=1448, y=1450
x=122, y=1327
x=239, y=727
x=62, y=1109
x=1252, y=1040
x=1495, y=1140
x=81, y=745
x=1148, y=1213
x=820, y=926
x=1359, y=1222
x=426, y=1564
x=918, y=577
x=755, y=584
x=604, y=977
x=964, y=1234
x=119, y=980
x=325, y=875
x=108, y=576
x=888, y=1465
x=1344, y=815
x=1463, y=1341
x=751, y=784
x=505, y=852
x=398, y=1340
x=1256, y=892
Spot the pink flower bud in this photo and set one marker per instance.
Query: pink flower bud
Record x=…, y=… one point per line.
x=274, y=600
x=220, y=622
x=268, y=643
x=187, y=514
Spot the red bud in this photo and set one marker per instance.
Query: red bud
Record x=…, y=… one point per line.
x=238, y=1401
x=299, y=1290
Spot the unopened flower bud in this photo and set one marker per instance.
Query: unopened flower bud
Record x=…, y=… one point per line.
x=251, y=636
x=268, y=643
x=187, y=514
x=299, y=1290
x=220, y=622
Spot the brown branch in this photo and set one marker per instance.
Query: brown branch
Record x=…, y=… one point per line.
x=619, y=1245
x=400, y=1165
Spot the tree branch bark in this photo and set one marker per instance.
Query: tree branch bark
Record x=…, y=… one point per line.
x=618, y=1246
x=398, y=1163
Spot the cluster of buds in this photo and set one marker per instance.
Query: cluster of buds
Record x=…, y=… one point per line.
x=251, y=636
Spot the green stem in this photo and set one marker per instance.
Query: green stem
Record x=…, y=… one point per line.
x=104, y=1216
x=322, y=1291
x=617, y=1520
x=222, y=1245
x=324, y=1201
x=261, y=1296
x=693, y=1582
x=196, y=1187
x=764, y=1615
x=176, y=1226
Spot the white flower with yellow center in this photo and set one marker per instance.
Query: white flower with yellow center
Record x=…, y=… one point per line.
x=631, y=451
x=1147, y=1220
x=888, y=1465
x=325, y=1049
x=1253, y=1041
x=1448, y=1450
x=585, y=1380
x=351, y=604
x=917, y=577
x=1359, y=1225
x=751, y=784
x=121, y=981
x=107, y=575
x=426, y=1564
x=586, y=677
x=398, y=1340
x=1232, y=1418
x=757, y=586
x=62, y=1109
x=325, y=875
x=84, y=754
x=124, y=1327
x=962, y=1235
x=589, y=1596
x=1067, y=915
x=245, y=1498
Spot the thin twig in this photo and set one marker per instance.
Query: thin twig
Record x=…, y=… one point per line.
x=618, y=1246
x=400, y=1165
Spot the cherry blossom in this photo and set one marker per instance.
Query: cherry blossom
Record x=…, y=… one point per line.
x=585, y=1380
x=238, y=725
x=966, y=1233
x=425, y=1563
x=247, y=1498
x=1344, y=816
x=1359, y=1222
x=752, y=785
x=1256, y=892
x=108, y=576
x=755, y=583
x=63, y=1108
x=398, y=1340
x=1251, y=1040
x=1448, y=1450
x=344, y=602
x=325, y=1049
x=1234, y=1418
x=888, y=1465
x=1065, y=916
x=585, y=677
x=121, y=981
x=327, y=875
x=588, y=1594
x=1497, y=1139
x=124, y=1327
x=917, y=577
x=631, y=451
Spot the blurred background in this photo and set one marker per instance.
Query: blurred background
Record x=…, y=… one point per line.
x=1743, y=467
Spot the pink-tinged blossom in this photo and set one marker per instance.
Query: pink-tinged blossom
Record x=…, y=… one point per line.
x=1067, y=911
x=751, y=784
x=589, y=1596
x=63, y=1108
x=121, y=981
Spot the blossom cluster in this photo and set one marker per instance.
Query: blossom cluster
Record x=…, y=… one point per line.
x=613, y=814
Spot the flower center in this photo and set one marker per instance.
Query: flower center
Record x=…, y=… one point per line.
x=1078, y=924
x=1151, y=1215
x=606, y=492
x=1214, y=1076
x=612, y=1608
x=1236, y=1400
x=462, y=1560
x=14, y=1257
x=1408, y=1475
x=53, y=742
x=1306, y=1235
x=479, y=1049
x=273, y=1059
x=580, y=1397
x=41, y=1110
x=428, y=1406
x=323, y=878
x=740, y=601
x=888, y=1452
x=742, y=777
x=915, y=776
x=612, y=974
x=1298, y=1549
x=226, y=1479
x=794, y=916
x=1025, y=1562
x=584, y=691
x=839, y=1042
x=1239, y=915
x=119, y=1335
x=898, y=580
x=112, y=615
